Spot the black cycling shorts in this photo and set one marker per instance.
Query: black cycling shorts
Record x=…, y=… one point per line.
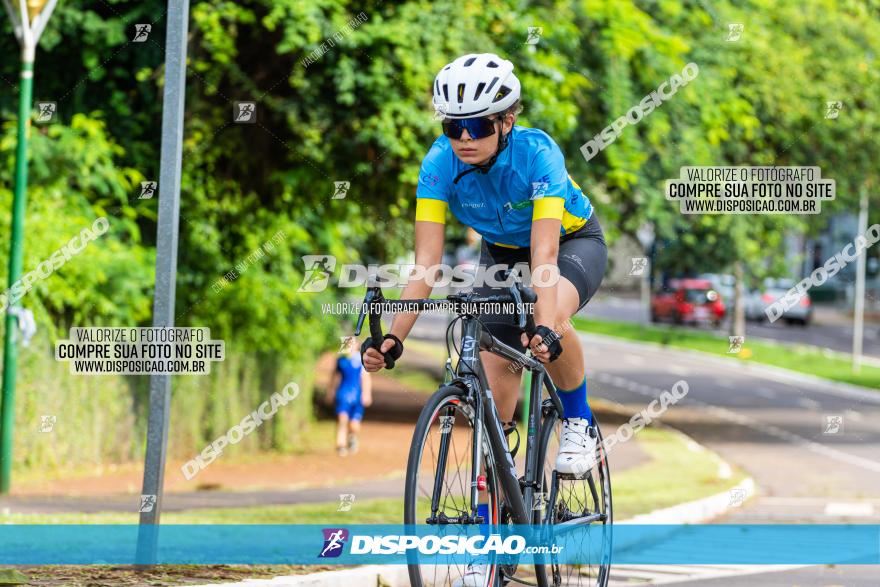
x=582, y=258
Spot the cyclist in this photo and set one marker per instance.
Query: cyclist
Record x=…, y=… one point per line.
x=509, y=183
x=350, y=390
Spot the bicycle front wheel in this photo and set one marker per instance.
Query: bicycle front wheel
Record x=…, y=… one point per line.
x=438, y=482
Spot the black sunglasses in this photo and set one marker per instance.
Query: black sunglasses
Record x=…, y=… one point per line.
x=478, y=128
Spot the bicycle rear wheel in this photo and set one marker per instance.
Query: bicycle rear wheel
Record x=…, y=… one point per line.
x=582, y=501
x=442, y=443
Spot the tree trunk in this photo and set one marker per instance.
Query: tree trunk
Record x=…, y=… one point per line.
x=738, y=319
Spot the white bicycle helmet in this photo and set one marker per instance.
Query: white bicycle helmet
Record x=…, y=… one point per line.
x=478, y=84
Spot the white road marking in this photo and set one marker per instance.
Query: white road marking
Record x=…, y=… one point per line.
x=854, y=415
x=808, y=403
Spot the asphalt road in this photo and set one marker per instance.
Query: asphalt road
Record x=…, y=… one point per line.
x=774, y=428
x=835, y=336
x=777, y=428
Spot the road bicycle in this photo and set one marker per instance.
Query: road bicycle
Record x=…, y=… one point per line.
x=460, y=448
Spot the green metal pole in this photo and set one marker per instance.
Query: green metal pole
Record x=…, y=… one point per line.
x=10, y=352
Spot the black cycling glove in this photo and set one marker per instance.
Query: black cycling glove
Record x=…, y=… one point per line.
x=391, y=355
x=550, y=338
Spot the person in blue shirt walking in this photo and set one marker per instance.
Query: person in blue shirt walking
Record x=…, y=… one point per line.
x=351, y=391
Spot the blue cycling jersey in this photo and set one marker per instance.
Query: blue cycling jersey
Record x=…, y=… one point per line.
x=499, y=204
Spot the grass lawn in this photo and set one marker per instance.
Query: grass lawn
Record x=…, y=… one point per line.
x=676, y=473
x=679, y=471
x=160, y=575
x=802, y=359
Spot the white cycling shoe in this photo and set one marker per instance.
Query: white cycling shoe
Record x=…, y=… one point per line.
x=474, y=576
x=577, y=449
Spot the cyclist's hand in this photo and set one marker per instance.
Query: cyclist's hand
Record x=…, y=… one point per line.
x=539, y=351
x=545, y=344
x=373, y=360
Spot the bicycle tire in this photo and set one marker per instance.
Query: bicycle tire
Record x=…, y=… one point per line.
x=442, y=398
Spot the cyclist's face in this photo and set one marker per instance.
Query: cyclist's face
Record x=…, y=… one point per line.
x=478, y=151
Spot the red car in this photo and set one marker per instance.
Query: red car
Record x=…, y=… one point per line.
x=689, y=301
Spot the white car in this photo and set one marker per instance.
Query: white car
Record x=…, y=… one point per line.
x=775, y=288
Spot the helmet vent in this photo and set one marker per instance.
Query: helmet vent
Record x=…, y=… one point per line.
x=446, y=91
x=469, y=61
x=460, y=96
x=492, y=84
x=502, y=91
x=491, y=64
x=479, y=89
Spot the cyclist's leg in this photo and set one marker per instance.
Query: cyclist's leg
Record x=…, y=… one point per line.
x=567, y=371
x=581, y=261
x=504, y=381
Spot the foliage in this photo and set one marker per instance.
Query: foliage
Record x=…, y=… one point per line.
x=361, y=113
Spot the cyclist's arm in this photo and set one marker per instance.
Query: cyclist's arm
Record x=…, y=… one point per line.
x=546, y=223
x=430, y=237
x=432, y=197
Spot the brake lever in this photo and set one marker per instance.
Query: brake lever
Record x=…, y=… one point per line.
x=517, y=299
x=360, y=321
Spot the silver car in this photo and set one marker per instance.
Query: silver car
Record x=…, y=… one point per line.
x=774, y=289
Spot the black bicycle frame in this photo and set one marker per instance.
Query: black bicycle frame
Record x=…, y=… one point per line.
x=471, y=376
x=520, y=494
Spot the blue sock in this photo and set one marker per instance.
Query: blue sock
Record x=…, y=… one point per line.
x=483, y=510
x=574, y=402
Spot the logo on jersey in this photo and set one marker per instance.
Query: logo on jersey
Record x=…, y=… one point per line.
x=334, y=540
x=429, y=179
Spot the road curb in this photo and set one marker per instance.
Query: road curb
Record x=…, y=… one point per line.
x=776, y=373
x=693, y=512
x=698, y=511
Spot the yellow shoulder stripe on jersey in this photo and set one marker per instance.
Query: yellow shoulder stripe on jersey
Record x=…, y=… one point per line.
x=571, y=223
x=548, y=207
x=573, y=182
x=430, y=210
